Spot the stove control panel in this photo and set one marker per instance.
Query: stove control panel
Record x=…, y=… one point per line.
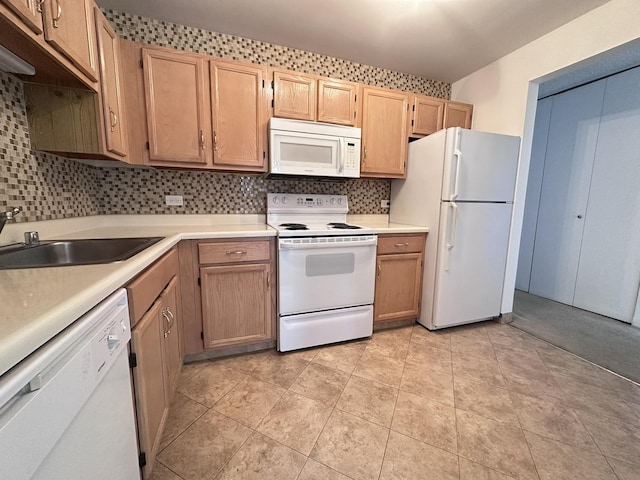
x=294, y=202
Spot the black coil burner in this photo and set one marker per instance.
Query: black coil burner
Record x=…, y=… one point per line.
x=343, y=226
x=294, y=226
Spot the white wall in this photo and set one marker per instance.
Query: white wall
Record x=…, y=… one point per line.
x=505, y=93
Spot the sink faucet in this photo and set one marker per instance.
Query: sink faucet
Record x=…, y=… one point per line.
x=8, y=216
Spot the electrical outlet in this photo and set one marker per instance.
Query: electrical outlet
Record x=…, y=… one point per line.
x=173, y=200
x=384, y=203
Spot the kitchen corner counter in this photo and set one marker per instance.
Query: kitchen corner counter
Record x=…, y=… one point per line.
x=41, y=302
x=381, y=224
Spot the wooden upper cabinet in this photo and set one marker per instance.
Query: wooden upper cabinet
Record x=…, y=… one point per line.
x=115, y=126
x=294, y=95
x=29, y=11
x=384, y=133
x=178, y=108
x=239, y=118
x=427, y=115
x=337, y=101
x=457, y=114
x=69, y=28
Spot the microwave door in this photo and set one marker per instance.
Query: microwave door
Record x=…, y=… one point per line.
x=305, y=154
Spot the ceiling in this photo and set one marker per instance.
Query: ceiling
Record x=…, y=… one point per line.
x=438, y=39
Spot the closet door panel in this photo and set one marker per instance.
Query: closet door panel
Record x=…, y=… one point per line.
x=534, y=185
x=573, y=133
x=609, y=270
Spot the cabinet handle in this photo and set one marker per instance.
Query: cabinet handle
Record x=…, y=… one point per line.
x=215, y=142
x=56, y=19
x=166, y=317
x=378, y=275
x=402, y=244
x=39, y=6
x=114, y=119
x=237, y=252
x=202, y=139
x=172, y=319
x=364, y=155
x=268, y=282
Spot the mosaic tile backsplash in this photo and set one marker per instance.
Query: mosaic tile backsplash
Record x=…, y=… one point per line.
x=50, y=187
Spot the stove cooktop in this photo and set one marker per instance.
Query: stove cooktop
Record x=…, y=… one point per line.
x=297, y=215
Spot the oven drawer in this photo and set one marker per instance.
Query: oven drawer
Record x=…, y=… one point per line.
x=400, y=244
x=233, y=252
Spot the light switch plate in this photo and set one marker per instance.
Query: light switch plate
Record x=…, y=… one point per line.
x=384, y=203
x=174, y=200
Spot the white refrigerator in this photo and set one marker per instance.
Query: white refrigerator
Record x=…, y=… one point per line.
x=460, y=183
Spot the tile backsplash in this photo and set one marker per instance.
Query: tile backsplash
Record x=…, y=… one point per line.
x=50, y=187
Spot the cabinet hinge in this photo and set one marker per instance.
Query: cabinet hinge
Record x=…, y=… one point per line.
x=264, y=154
x=133, y=360
x=262, y=83
x=413, y=108
x=272, y=103
x=272, y=84
x=147, y=145
x=142, y=460
x=199, y=282
x=202, y=335
x=141, y=64
x=412, y=123
x=355, y=98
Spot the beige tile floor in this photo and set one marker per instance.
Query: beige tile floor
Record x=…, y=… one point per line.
x=483, y=402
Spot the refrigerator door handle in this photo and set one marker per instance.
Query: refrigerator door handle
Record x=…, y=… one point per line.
x=458, y=156
x=452, y=234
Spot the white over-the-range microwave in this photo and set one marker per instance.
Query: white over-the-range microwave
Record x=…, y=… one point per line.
x=299, y=147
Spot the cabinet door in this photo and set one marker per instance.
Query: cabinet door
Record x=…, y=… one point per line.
x=398, y=283
x=236, y=304
x=111, y=93
x=29, y=11
x=178, y=109
x=294, y=96
x=239, y=121
x=147, y=339
x=384, y=133
x=337, y=102
x=427, y=115
x=171, y=332
x=457, y=115
x=69, y=27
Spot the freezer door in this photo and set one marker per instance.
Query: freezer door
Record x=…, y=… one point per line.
x=480, y=166
x=472, y=256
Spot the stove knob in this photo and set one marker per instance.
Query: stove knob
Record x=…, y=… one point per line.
x=332, y=201
x=284, y=200
x=339, y=201
x=276, y=200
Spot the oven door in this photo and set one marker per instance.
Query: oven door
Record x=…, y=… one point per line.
x=322, y=273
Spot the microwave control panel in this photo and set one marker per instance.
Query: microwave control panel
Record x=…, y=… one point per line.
x=352, y=156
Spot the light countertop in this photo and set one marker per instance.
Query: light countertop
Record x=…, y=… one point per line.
x=39, y=303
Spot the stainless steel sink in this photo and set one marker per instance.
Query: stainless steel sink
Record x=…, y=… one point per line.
x=73, y=252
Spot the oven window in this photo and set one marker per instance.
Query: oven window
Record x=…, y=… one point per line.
x=292, y=153
x=330, y=264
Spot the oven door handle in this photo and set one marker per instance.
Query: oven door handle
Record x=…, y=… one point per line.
x=313, y=246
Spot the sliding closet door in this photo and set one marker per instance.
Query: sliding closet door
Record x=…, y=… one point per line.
x=609, y=269
x=571, y=146
x=534, y=185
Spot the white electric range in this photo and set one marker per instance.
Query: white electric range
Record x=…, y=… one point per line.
x=326, y=270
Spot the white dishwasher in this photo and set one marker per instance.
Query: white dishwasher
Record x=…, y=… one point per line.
x=66, y=411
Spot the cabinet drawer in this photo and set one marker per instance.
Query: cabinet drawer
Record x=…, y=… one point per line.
x=232, y=252
x=147, y=286
x=400, y=244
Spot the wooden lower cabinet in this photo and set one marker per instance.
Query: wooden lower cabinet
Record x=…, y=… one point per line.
x=236, y=304
x=156, y=350
x=398, y=278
